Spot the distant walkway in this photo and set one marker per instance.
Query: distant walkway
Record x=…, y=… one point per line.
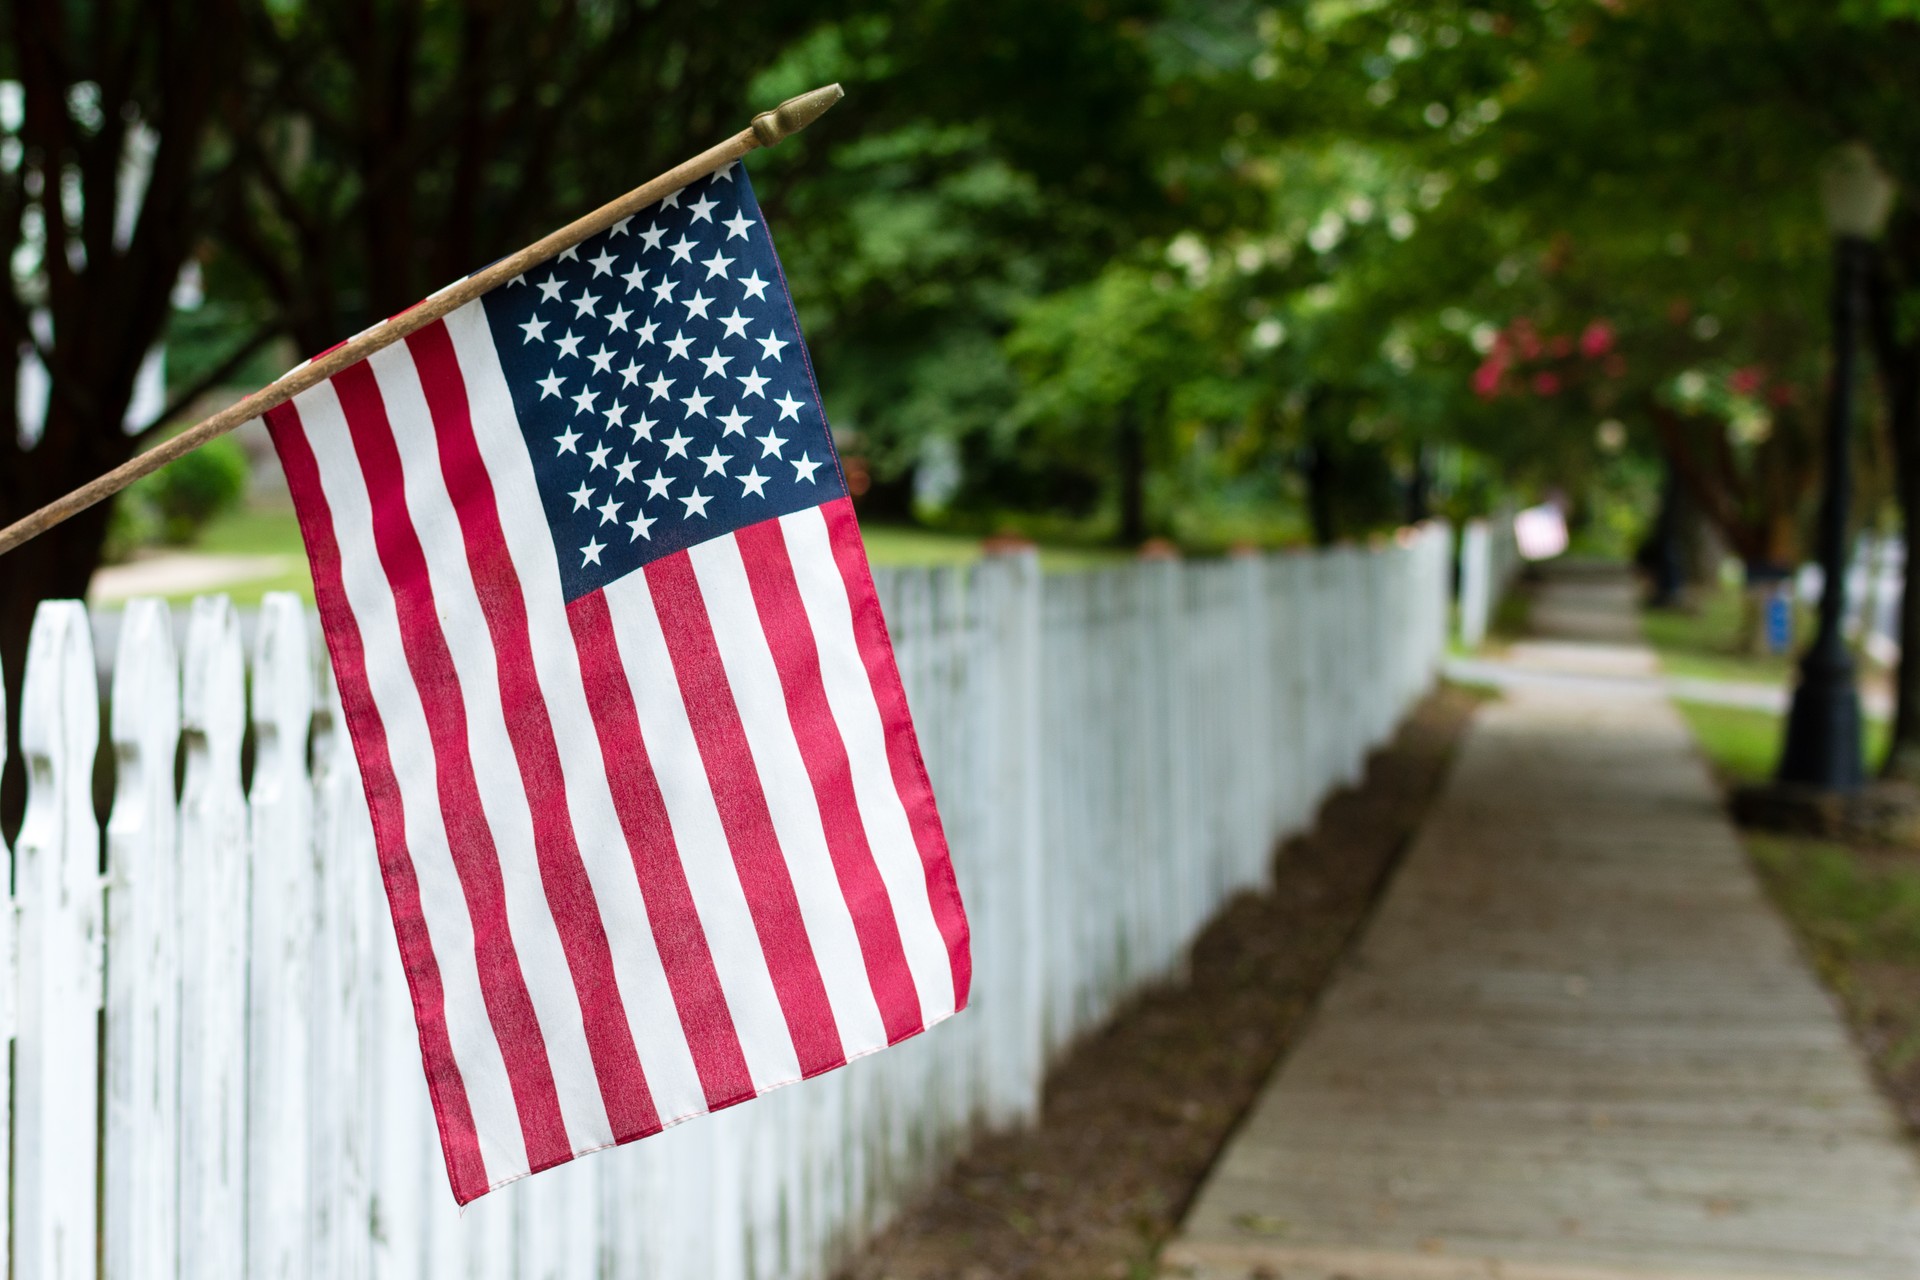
x=1576, y=1042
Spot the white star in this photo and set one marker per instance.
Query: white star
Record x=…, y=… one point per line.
x=677, y=444
x=609, y=510
x=663, y=292
x=789, y=408
x=736, y=324
x=585, y=303
x=635, y=277
x=659, y=386
x=771, y=346
x=772, y=443
x=723, y=174
x=737, y=227
x=569, y=254
x=535, y=329
x=646, y=332
x=678, y=345
x=653, y=237
x=717, y=265
x=519, y=279
x=715, y=362
x=583, y=403
x=618, y=318
x=716, y=462
x=590, y=554
x=671, y=200
x=804, y=469
x=696, y=404
x=734, y=422
x=753, y=382
x=624, y=470
x=755, y=287
x=550, y=288
x=599, y=455
x=582, y=497
x=567, y=440
x=697, y=305
x=753, y=483
x=569, y=345
x=703, y=209
x=683, y=249
x=602, y=359
x=640, y=523
x=696, y=505
x=620, y=227
x=630, y=374
x=603, y=265
x=643, y=429
x=551, y=384
x=657, y=487
x=615, y=412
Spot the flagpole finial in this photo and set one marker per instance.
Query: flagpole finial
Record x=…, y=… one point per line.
x=795, y=114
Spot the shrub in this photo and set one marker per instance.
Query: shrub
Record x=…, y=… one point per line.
x=184, y=495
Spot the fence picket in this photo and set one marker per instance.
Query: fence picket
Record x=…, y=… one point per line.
x=213, y=952
x=281, y=911
x=58, y=892
x=8, y=1005
x=141, y=1219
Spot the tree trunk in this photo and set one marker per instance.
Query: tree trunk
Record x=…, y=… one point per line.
x=1899, y=367
x=1323, y=478
x=1419, y=486
x=1132, y=441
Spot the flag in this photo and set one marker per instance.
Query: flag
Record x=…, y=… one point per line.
x=650, y=812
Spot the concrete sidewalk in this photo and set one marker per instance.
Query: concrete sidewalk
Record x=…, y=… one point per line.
x=1576, y=1042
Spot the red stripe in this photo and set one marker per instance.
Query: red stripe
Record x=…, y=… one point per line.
x=459, y=1140
x=583, y=934
x=468, y=836
x=743, y=812
x=677, y=931
x=903, y=748
x=776, y=596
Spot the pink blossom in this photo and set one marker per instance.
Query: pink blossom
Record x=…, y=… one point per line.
x=1486, y=379
x=1546, y=384
x=1596, y=340
x=1747, y=381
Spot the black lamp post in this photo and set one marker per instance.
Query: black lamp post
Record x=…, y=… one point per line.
x=1823, y=726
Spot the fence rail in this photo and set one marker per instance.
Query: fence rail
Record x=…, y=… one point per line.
x=215, y=1070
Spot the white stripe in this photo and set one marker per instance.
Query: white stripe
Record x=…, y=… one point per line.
x=711, y=878
x=665, y=1056
x=757, y=695
x=483, y=1070
x=823, y=593
x=496, y=771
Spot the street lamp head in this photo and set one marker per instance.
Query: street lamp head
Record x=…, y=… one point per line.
x=1855, y=192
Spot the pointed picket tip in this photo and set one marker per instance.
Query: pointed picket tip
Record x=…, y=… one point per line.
x=59, y=703
x=146, y=675
x=213, y=697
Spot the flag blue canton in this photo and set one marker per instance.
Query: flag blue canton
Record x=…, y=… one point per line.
x=661, y=384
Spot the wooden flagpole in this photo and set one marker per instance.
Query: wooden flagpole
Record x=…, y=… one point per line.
x=766, y=129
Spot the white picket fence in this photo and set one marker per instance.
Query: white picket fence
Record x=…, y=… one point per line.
x=1489, y=562
x=1114, y=753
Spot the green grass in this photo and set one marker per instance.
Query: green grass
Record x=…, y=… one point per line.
x=1705, y=643
x=275, y=531
x=1744, y=745
x=1851, y=907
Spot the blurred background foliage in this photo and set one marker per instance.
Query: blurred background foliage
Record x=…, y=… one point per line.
x=1087, y=270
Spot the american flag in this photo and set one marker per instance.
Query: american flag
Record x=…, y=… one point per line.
x=652, y=819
